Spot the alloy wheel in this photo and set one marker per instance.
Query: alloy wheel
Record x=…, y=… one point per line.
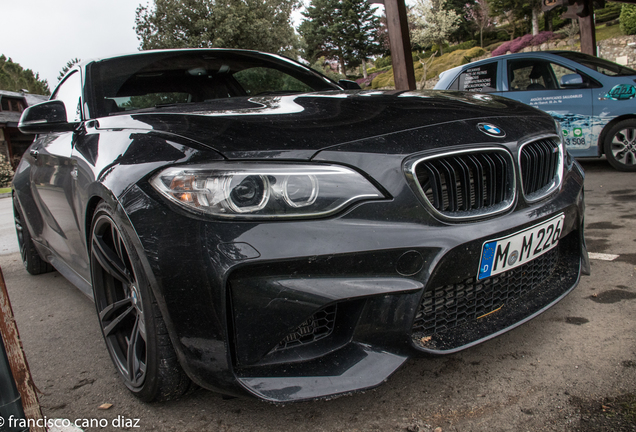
x=119, y=302
x=623, y=146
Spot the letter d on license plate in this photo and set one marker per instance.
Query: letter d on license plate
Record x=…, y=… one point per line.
x=509, y=252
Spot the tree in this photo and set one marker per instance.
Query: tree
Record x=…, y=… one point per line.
x=435, y=23
x=344, y=30
x=510, y=12
x=68, y=67
x=479, y=13
x=464, y=30
x=535, y=7
x=14, y=78
x=362, y=30
x=263, y=25
x=628, y=19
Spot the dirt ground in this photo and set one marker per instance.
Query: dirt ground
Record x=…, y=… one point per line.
x=571, y=369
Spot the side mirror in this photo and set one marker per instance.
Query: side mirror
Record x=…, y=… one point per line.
x=349, y=85
x=45, y=117
x=572, y=81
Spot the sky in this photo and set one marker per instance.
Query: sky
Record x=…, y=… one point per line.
x=43, y=35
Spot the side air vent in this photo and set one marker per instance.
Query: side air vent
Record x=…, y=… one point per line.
x=540, y=163
x=318, y=326
x=468, y=184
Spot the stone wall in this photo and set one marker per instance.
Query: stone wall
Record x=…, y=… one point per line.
x=621, y=50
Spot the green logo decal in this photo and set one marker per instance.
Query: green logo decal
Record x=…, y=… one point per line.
x=622, y=92
x=565, y=132
x=577, y=132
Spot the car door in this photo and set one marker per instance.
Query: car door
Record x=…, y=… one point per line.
x=539, y=83
x=52, y=184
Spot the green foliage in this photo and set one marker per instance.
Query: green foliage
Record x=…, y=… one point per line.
x=342, y=30
x=324, y=68
x=6, y=172
x=263, y=25
x=65, y=69
x=14, y=78
x=610, y=12
x=383, y=62
x=628, y=19
x=462, y=46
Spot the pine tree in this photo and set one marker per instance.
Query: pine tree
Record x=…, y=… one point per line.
x=263, y=25
x=14, y=78
x=342, y=30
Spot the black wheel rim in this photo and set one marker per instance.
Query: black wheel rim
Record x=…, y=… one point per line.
x=624, y=146
x=118, y=301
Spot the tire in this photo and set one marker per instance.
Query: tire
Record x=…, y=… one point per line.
x=33, y=262
x=133, y=328
x=620, y=146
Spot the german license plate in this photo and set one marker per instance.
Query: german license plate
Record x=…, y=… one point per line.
x=506, y=253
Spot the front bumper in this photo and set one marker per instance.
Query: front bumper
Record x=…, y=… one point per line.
x=307, y=309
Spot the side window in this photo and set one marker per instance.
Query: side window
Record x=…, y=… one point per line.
x=481, y=79
x=70, y=92
x=559, y=71
x=531, y=75
x=260, y=80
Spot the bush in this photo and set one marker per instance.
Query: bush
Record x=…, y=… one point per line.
x=522, y=42
x=366, y=82
x=6, y=172
x=609, y=13
x=383, y=62
x=493, y=46
x=628, y=19
x=325, y=68
x=462, y=46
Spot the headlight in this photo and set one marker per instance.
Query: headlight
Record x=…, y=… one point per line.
x=264, y=190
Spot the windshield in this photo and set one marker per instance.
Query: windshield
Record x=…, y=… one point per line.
x=598, y=64
x=160, y=79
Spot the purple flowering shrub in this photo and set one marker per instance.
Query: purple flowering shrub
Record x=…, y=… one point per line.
x=524, y=41
x=366, y=82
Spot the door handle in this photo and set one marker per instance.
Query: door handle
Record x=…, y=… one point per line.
x=34, y=153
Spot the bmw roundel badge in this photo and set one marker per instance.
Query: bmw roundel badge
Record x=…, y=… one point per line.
x=492, y=130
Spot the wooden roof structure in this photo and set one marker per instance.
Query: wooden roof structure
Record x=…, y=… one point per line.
x=400, y=42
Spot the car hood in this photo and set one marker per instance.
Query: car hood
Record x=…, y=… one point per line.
x=300, y=126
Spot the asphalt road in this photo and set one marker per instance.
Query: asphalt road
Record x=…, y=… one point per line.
x=540, y=376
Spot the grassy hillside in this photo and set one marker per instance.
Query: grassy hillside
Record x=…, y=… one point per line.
x=440, y=64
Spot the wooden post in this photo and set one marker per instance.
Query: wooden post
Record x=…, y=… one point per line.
x=18, y=362
x=588, y=31
x=400, y=42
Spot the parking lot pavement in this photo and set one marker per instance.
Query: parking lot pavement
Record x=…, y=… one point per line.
x=537, y=377
x=8, y=240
